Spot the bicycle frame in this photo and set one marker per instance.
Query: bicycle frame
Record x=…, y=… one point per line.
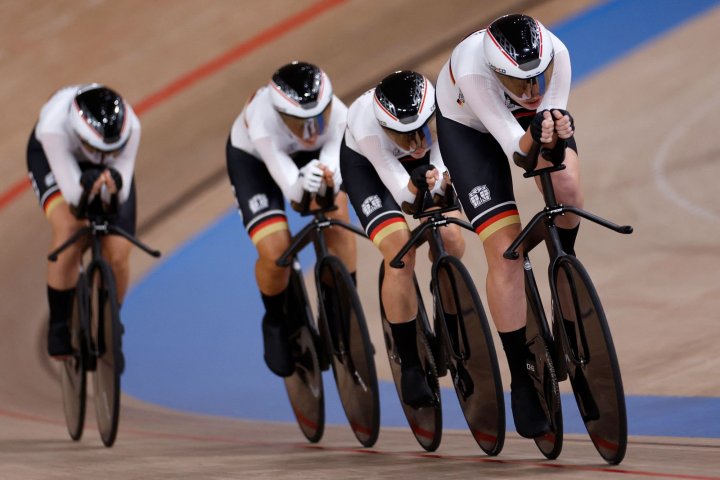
x=542, y=228
x=435, y=220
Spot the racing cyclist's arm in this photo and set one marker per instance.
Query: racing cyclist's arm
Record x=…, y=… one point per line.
x=281, y=167
x=391, y=172
x=63, y=165
x=124, y=163
x=330, y=152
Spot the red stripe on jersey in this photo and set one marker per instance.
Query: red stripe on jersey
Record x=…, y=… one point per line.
x=494, y=219
x=384, y=224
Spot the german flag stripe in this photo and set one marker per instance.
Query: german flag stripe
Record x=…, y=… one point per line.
x=52, y=201
x=265, y=228
x=387, y=227
x=495, y=223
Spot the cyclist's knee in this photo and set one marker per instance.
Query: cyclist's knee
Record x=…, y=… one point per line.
x=401, y=273
x=454, y=241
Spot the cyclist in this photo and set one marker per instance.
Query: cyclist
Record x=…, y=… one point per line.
x=86, y=139
x=502, y=88
x=387, y=154
x=285, y=142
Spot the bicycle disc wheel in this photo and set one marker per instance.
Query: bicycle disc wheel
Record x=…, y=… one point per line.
x=305, y=386
x=425, y=422
x=473, y=365
x=73, y=372
x=591, y=359
x=105, y=327
x=351, y=350
x=544, y=376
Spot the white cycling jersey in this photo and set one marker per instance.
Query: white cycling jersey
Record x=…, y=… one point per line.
x=63, y=150
x=260, y=131
x=365, y=136
x=469, y=93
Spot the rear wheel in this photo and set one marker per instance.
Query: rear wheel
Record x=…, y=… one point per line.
x=545, y=373
x=73, y=372
x=304, y=386
x=472, y=363
x=425, y=422
x=350, y=349
x=105, y=327
x=590, y=358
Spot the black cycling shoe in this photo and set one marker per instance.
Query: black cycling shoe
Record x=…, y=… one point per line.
x=59, y=344
x=528, y=415
x=414, y=387
x=277, y=349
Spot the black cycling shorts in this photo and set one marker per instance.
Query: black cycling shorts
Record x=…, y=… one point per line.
x=49, y=195
x=480, y=173
x=377, y=210
x=260, y=201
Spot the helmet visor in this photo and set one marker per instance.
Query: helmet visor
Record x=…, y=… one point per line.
x=307, y=129
x=413, y=141
x=93, y=152
x=528, y=88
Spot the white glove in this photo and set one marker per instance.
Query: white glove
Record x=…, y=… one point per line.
x=311, y=176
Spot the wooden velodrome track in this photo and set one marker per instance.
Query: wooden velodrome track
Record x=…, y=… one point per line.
x=649, y=153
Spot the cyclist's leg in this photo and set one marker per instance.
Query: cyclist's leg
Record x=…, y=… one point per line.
x=62, y=274
x=568, y=191
x=485, y=190
x=384, y=223
x=262, y=208
x=116, y=249
x=342, y=242
x=454, y=245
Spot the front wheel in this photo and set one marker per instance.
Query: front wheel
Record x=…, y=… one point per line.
x=350, y=349
x=590, y=357
x=305, y=386
x=106, y=331
x=73, y=372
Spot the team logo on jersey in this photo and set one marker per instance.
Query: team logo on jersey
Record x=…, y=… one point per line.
x=479, y=195
x=258, y=202
x=370, y=204
x=49, y=179
x=461, y=99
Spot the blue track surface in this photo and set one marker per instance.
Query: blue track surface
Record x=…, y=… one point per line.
x=193, y=337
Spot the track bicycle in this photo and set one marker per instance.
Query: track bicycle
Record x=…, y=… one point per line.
x=460, y=340
x=580, y=346
x=340, y=338
x=95, y=329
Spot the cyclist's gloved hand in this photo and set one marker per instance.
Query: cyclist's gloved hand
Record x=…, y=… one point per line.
x=542, y=127
x=418, y=176
x=89, y=177
x=117, y=178
x=312, y=176
x=564, y=123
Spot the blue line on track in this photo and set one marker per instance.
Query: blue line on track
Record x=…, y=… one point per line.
x=193, y=338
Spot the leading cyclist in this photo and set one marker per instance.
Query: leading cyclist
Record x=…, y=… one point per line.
x=502, y=88
x=86, y=139
x=285, y=142
x=387, y=154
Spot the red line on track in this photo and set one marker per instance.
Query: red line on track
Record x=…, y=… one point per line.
x=211, y=67
x=428, y=456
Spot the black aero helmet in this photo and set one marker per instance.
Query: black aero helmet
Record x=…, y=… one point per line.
x=404, y=101
x=98, y=116
x=518, y=46
x=300, y=89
